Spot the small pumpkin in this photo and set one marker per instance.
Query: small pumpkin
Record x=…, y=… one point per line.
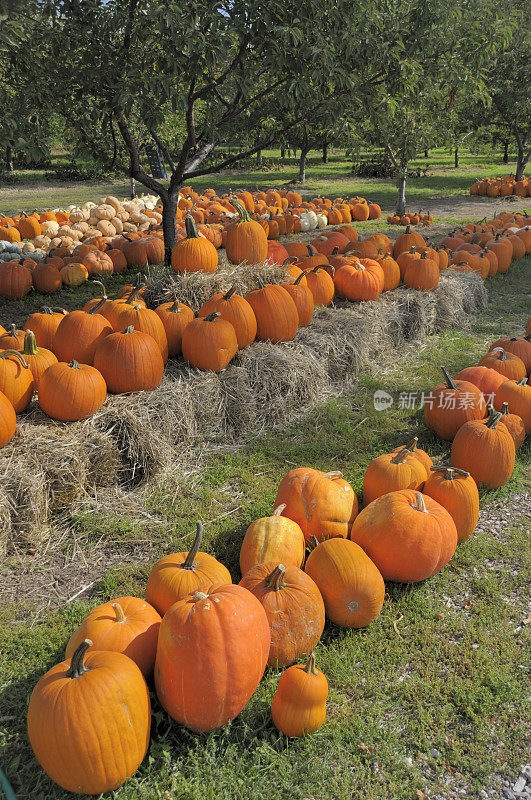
x=175, y=576
x=392, y=471
x=44, y=323
x=37, y=358
x=209, y=342
x=457, y=492
x=518, y=395
x=302, y=297
x=449, y=405
x=514, y=424
x=321, y=285
x=506, y=363
x=12, y=339
x=175, y=317
x=272, y=539
x=299, y=703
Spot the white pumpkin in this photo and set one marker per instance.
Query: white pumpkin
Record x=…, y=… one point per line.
x=104, y=212
x=27, y=247
x=117, y=224
x=322, y=221
x=305, y=223
x=130, y=228
x=89, y=205
x=50, y=227
x=42, y=241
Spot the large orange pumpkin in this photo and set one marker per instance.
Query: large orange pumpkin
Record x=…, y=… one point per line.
x=392, y=471
x=294, y=609
x=506, y=363
x=89, y=720
x=78, y=335
x=322, y=504
x=234, y=309
x=486, y=449
x=175, y=317
x=44, y=323
x=70, y=392
x=8, y=420
x=246, y=239
x=486, y=379
x=16, y=379
x=209, y=342
x=212, y=652
x=276, y=314
x=351, y=585
x=408, y=535
x=194, y=253
x=449, y=405
x=129, y=362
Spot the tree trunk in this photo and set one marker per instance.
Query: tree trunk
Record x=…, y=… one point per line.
x=169, y=229
x=456, y=157
x=9, y=159
x=133, y=189
x=521, y=161
x=282, y=152
x=258, y=158
x=325, y=152
x=302, y=166
x=426, y=152
x=506, y=152
x=401, y=200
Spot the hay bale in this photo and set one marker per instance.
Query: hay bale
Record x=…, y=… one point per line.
x=6, y=530
x=458, y=297
x=103, y=462
x=24, y=484
x=195, y=288
x=417, y=312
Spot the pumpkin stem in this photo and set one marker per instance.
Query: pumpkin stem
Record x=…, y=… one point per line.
x=58, y=310
x=298, y=279
x=278, y=510
x=311, y=251
x=314, y=541
x=118, y=610
x=449, y=472
x=228, y=295
x=400, y=456
x=129, y=329
x=74, y=364
x=449, y=381
x=502, y=354
x=421, y=505
x=335, y=251
x=211, y=317
x=191, y=227
x=189, y=560
x=104, y=295
x=175, y=306
x=412, y=444
x=30, y=345
x=94, y=309
x=504, y=410
x=494, y=417
x=275, y=580
x=199, y=596
x=521, y=382
x=310, y=666
x=77, y=662
x=18, y=356
x=13, y=330
x=242, y=211
x=45, y=310
x=333, y=474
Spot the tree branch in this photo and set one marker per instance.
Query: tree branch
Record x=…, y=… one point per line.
x=129, y=27
x=391, y=155
x=163, y=148
x=226, y=72
x=135, y=169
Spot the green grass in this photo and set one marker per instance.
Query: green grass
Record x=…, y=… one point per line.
x=450, y=681
x=332, y=179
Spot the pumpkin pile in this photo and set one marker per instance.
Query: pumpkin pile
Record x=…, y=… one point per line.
x=502, y=187
x=411, y=218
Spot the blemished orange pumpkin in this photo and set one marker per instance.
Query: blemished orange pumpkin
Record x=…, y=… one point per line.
x=175, y=317
x=44, y=323
x=209, y=342
x=194, y=253
x=129, y=362
x=16, y=379
x=294, y=609
x=12, y=338
x=392, y=471
x=235, y=309
x=408, y=535
x=276, y=314
x=360, y=280
x=514, y=424
x=518, y=395
x=486, y=449
x=15, y=280
x=350, y=583
x=322, y=504
x=406, y=241
x=126, y=625
x=272, y=539
x=299, y=703
x=72, y=391
x=175, y=576
x=89, y=721
x=212, y=652
x=246, y=239
x=457, y=492
x=507, y=364
x=517, y=345
x=37, y=358
x=449, y=405
x=8, y=420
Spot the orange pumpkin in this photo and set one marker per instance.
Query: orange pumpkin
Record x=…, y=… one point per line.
x=79, y=334
x=38, y=359
x=449, y=405
x=16, y=379
x=506, y=363
x=514, y=424
x=299, y=703
x=486, y=449
x=175, y=317
x=518, y=396
x=130, y=361
x=194, y=253
x=392, y=471
x=235, y=309
x=276, y=314
x=246, y=239
x=456, y=491
x=272, y=539
x=8, y=420
x=70, y=392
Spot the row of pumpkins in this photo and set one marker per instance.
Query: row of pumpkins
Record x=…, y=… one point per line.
x=73, y=359
x=502, y=187
x=207, y=641
x=411, y=218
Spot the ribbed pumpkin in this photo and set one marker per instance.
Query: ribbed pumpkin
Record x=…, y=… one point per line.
x=29, y=226
x=46, y=278
x=16, y=379
x=486, y=449
x=272, y=539
x=322, y=504
x=209, y=342
x=44, y=323
x=98, y=263
x=212, y=652
x=514, y=424
x=423, y=274
x=302, y=297
x=351, y=585
x=517, y=345
x=299, y=703
x=8, y=420
x=391, y=270
x=409, y=536
x=195, y=253
x=507, y=364
x=175, y=317
x=276, y=314
x=294, y=609
x=15, y=280
x=12, y=339
x=37, y=358
x=235, y=309
x=143, y=320
x=486, y=379
x=126, y=625
x=320, y=285
x=406, y=241
x=89, y=721
x=413, y=448
x=392, y=471
x=449, y=405
x=359, y=280
x=70, y=392
x=175, y=576
x=79, y=334
x=129, y=361
x=518, y=395
x=74, y=274
x=135, y=253
x=246, y=239
x=457, y=492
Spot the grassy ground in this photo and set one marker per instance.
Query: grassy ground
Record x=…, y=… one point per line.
x=333, y=179
x=429, y=698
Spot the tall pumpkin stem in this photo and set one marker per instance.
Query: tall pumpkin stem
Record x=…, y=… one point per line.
x=278, y=510
x=228, y=295
x=412, y=444
x=17, y=355
x=400, y=456
x=98, y=305
x=77, y=662
x=494, y=418
x=449, y=380
x=118, y=610
x=30, y=344
x=298, y=279
x=310, y=666
x=189, y=560
x=191, y=227
x=104, y=293
x=242, y=211
x=275, y=580
x=502, y=354
x=421, y=505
